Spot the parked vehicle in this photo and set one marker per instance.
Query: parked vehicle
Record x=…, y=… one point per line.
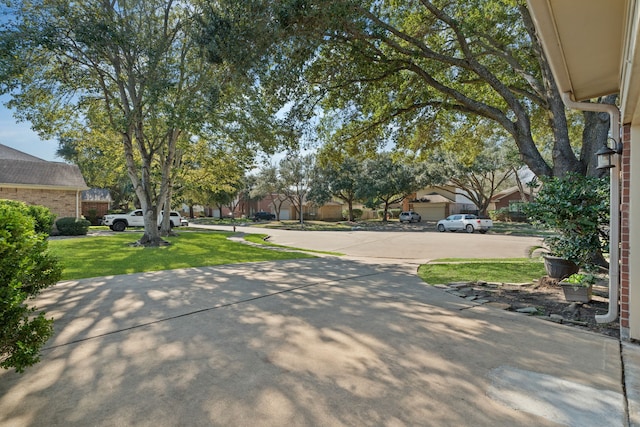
x=409, y=216
x=466, y=222
x=266, y=216
x=135, y=218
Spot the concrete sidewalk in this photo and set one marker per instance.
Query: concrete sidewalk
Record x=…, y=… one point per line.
x=307, y=342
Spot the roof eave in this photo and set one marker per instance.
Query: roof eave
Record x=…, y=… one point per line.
x=583, y=42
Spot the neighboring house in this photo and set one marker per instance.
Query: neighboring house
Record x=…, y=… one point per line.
x=509, y=198
x=592, y=48
x=245, y=208
x=431, y=207
x=437, y=202
x=96, y=203
x=330, y=211
x=35, y=181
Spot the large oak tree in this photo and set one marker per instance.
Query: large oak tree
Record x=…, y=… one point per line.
x=139, y=62
x=388, y=70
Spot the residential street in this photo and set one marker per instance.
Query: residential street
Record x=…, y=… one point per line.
x=398, y=246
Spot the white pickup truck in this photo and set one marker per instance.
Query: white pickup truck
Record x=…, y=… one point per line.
x=466, y=222
x=119, y=222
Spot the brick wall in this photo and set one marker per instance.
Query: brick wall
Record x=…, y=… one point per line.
x=61, y=202
x=624, y=231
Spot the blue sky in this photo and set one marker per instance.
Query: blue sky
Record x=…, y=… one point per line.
x=21, y=137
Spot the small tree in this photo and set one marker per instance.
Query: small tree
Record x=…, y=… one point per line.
x=340, y=180
x=386, y=182
x=576, y=208
x=478, y=175
x=268, y=184
x=296, y=173
x=25, y=269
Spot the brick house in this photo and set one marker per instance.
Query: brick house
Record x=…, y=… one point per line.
x=34, y=181
x=592, y=48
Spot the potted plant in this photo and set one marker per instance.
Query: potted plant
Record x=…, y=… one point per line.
x=578, y=287
x=557, y=267
x=575, y=209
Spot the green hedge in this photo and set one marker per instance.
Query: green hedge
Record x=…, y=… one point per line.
x=25, y=268
x=41, y=215
x=69, y=226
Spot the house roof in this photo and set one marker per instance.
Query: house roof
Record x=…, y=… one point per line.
x=504, y=193
x=8, y=153
x=434, y=198
x=19, y=169
x=591, y=47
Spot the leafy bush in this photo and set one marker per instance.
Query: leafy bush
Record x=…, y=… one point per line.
x=357, y=213
x=69, y=226
x=501, y=214
x=42, y=215
x=393, y=213
x=576, y=208
x=25, y=269
x=505, y=215
x=92, y=217
x=580, y=279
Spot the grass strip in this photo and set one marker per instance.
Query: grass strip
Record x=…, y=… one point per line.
x=512, y=270
x=96, y=256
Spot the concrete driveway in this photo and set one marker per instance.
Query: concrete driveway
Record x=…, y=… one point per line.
x=312, y=342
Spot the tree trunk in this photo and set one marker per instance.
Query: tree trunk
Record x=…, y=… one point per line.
x=143, y=189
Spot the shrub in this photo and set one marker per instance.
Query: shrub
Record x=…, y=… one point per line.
x=357, y=213
x=576, y=208
x=393, y=213
x=25, y=269
x=505, y=215
x=501, y=214
x=92, y=217
x=69, y=226
x=42, y=215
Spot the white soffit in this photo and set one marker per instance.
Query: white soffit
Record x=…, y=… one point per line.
x=583, y=40
x=630, y=86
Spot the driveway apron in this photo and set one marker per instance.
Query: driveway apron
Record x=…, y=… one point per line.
x=311, y=342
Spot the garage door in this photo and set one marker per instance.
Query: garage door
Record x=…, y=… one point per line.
x=430, y=212
x=284, y=214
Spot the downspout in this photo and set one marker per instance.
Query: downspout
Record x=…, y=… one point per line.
x=77, y=203
x=614, y=202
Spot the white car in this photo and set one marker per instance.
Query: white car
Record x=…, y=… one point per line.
x=464, y=222
x=120, y=222
x=410, y=216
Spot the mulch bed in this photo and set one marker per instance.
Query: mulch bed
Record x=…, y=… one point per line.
x=547, y=297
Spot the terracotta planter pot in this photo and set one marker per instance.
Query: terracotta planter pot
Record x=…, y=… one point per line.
x=559, y=268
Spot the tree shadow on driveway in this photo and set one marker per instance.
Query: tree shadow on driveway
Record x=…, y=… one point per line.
x=302, y=342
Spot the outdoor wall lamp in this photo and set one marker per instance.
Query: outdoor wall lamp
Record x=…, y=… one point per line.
x=605, y=156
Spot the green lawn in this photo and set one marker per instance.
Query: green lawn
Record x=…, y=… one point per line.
x=111, y=255
x=516, y=270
